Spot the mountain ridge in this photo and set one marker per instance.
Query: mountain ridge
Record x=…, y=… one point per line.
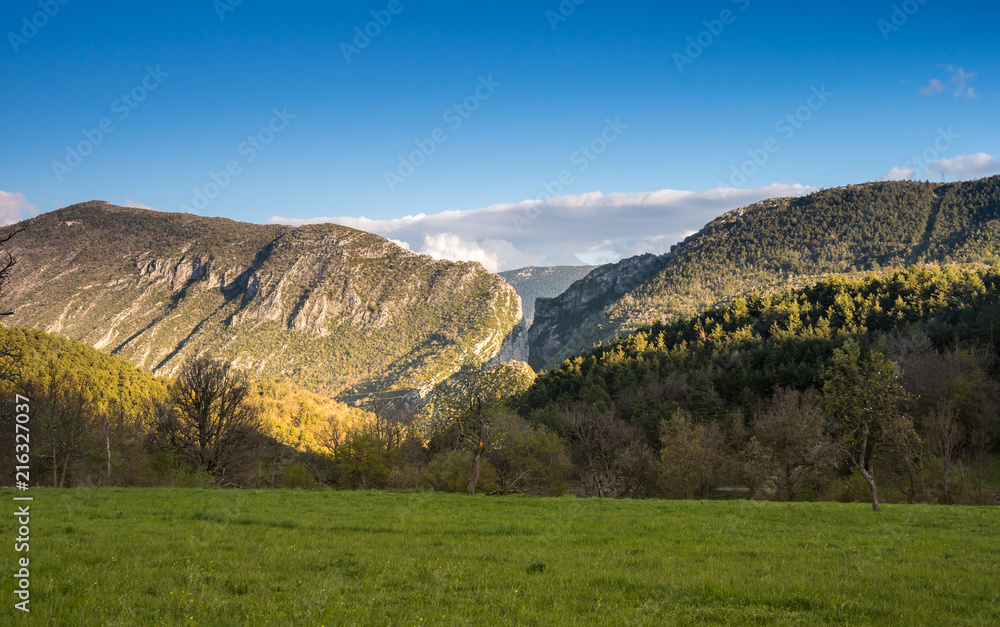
x=777, y=243
x=330, y=307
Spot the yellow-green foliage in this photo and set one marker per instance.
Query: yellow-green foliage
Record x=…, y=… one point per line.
x=302, y=419
x=113, y=381
x=291, y=414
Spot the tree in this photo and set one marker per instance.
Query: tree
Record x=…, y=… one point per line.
x=367, y=454
x=6, y=265
x=944, y=436
x=865, y=408
x=692, y=455
x=527, y=458
x=449, y=472
x=464, y=408
x=610, y=453
x=209, y=419
x=10, y=359
x=67, y=415
x=790, y=426
x=757, y=466
x=365, y=461
x=979, y=467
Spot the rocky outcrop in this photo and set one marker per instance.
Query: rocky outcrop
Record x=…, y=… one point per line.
x=564, y=325
x=533, y=282
x=343, y=311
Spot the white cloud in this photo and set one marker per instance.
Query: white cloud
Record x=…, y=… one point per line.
x=14, y=208
x=138, y=205
x=453, y=247
x=934, y=87
x=967, y=166
x=560, y=230
x=899, y=174
x=599, y=257
x=960, y=80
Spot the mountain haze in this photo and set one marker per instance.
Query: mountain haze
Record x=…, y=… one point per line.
x=339, y=310
x=542, y=282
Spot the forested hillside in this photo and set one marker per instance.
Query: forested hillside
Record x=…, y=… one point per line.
x=789, y=242
x=94, y=417
x=725, y=376
x=743, y=351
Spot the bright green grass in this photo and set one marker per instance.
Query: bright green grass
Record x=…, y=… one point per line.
x=171, y=556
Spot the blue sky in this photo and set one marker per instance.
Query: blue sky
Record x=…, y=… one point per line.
x=267, y=90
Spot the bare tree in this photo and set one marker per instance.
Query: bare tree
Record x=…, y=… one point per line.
x=67, y=420
x=10, y=358
x=790, y=426
x=607, y=450
x=944, y=437
x=209, y=419
x=7, y=263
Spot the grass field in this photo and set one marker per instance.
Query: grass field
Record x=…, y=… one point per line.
x=214, y=557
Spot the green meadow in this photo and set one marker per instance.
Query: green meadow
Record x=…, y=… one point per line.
x=281, y=557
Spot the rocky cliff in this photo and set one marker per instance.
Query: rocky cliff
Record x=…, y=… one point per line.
x=571, y=321
x=339, y=310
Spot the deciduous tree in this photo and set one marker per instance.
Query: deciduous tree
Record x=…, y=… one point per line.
x=465, y=407
x=790, y=426
x=692, y=455
x=864, y=403
x=209, y=419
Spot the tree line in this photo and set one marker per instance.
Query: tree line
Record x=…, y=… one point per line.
x=875, y=388
x=899, y=368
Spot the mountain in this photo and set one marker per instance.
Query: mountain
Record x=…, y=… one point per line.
x=340, y=311
x=580, y=308
x=937, y=323
x=532, y=282
x=773, y=244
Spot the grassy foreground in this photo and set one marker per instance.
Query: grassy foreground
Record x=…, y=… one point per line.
x=213, y=557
